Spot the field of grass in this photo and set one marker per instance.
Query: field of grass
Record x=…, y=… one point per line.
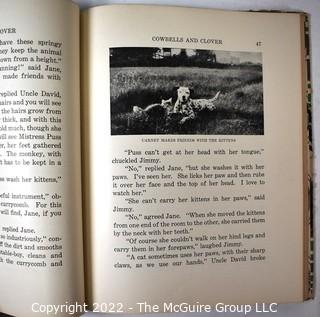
x=239, y=106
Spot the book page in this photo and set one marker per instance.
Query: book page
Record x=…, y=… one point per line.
x=194, y=157
x=41, y=261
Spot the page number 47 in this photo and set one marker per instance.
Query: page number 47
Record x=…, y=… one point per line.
x=259, y=43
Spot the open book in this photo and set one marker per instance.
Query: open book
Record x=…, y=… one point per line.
x=183, y=177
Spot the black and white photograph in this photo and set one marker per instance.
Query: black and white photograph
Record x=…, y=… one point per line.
x=185, y=91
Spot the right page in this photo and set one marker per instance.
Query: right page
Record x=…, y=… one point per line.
x=194, y=157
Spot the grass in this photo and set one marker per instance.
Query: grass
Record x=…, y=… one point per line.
x=239, y=107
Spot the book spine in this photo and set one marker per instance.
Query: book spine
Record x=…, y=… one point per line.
x=310, y=156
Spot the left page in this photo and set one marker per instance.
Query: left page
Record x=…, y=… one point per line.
x=40, y=173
